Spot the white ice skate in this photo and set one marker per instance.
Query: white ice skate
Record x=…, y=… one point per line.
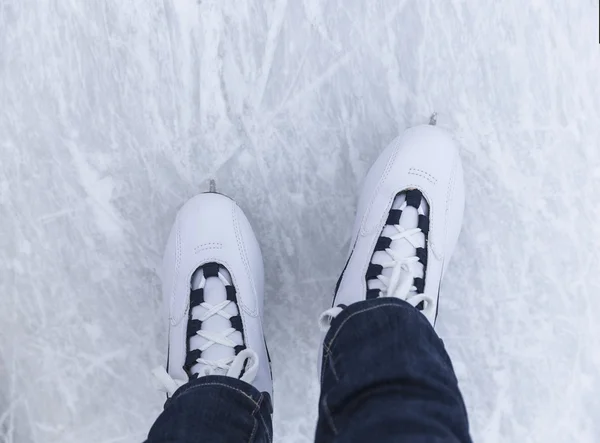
x=407, y=224
x=212, y=280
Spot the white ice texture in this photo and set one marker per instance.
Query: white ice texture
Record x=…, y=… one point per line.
x=113, y=113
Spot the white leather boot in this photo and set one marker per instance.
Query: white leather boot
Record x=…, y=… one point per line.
x=407, y=224
x=212, y=280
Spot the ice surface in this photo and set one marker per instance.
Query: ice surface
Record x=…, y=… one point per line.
x=113, y=113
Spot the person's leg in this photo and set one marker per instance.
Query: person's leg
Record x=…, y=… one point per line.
x=386, y=377
x=218, y=376
x=214, y=409
x=385, y=374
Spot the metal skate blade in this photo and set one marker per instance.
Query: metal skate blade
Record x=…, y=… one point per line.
x=433, y=119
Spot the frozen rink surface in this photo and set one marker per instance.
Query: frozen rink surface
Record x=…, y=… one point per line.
x=113, y=113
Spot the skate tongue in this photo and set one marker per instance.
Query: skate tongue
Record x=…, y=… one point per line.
x=214, y=293
x=408, y=220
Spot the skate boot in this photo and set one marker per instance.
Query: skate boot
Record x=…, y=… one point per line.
x=212, y=281
x=407, y=224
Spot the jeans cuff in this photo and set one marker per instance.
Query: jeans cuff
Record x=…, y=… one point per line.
x=358, y=309
x=245, y=391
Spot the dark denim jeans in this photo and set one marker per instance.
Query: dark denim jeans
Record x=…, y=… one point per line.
x=386, y=378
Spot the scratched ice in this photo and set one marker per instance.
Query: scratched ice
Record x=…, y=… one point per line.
x=113, y=113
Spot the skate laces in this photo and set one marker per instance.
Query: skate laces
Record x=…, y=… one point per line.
x=401, y=283
x=241, y=364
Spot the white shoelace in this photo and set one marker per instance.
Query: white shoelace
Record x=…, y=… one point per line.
x=215, y=337
x=399, y=285
x=231, y=366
